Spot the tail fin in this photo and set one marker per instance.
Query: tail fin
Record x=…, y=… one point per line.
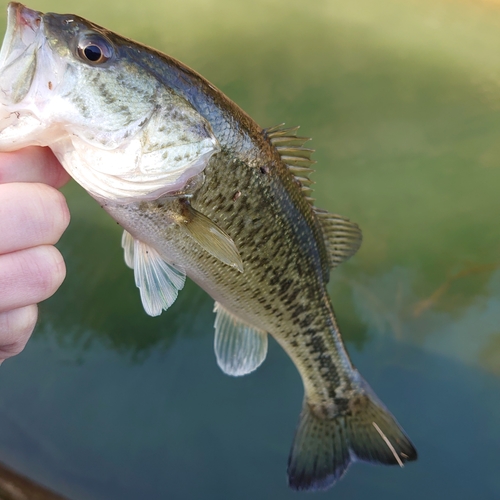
x=324, y=447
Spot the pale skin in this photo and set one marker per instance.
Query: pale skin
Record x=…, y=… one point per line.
x=33, y=216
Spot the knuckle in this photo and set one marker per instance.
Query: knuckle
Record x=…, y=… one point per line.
x=53, y=212
x=16, y=327
x=30, y=276
x=32, y=214
x=51, y=271
x=62, y=210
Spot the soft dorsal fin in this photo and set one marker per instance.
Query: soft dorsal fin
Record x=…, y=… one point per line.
x=342, y=237
x=158, y=281
x=239, y=347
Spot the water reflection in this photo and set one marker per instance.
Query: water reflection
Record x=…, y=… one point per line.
x=390, y=304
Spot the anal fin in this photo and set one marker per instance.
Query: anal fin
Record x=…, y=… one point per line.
x=239, y=347
x=158, y=281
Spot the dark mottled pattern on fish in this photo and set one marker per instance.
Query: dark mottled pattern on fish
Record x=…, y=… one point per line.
x=288, y=286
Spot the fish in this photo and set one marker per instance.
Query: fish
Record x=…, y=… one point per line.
x=201, y=190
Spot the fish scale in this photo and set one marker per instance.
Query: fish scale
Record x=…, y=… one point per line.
x=202, y=191
x=284, y=315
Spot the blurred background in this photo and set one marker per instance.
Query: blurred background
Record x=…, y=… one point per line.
x=402, y=99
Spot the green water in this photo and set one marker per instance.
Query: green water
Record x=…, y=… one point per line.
x=402, y=99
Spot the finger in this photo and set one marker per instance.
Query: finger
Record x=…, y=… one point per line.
x=32, y=164
x=30, y=215
x=29, y=276
x=16, y=327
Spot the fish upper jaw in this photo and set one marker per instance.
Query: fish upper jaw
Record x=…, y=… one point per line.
x=29, y=76
x=23, y=26
x=24, y=17
x=29, y=72
x=17, y=71
x=18, y=53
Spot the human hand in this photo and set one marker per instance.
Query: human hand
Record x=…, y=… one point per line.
x=33, y=216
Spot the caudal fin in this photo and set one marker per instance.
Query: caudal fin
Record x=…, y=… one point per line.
x=324, y=447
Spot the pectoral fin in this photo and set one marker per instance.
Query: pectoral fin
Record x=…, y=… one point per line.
x=128, y=249
x=158, y=281
x=211, y=237
x=239, y=347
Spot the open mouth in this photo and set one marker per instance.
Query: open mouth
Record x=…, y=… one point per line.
x=23, y=25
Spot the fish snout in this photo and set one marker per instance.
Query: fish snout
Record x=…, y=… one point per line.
x=25, y=18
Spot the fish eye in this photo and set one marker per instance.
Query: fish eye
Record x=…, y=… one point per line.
x=95, y=50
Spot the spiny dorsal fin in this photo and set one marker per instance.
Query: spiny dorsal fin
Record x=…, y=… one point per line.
x=296, y=157
x=342, y=237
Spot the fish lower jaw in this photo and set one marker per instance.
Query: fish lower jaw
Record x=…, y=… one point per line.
x=19, y=130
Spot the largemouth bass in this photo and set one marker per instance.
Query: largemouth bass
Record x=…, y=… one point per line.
x=202, y=191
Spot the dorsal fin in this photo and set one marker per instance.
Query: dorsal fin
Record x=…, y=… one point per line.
x=294, y=155
x=342, y=237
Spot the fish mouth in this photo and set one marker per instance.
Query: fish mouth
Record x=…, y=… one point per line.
x=24, y=16
x=18, y=59
x=23, y=26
